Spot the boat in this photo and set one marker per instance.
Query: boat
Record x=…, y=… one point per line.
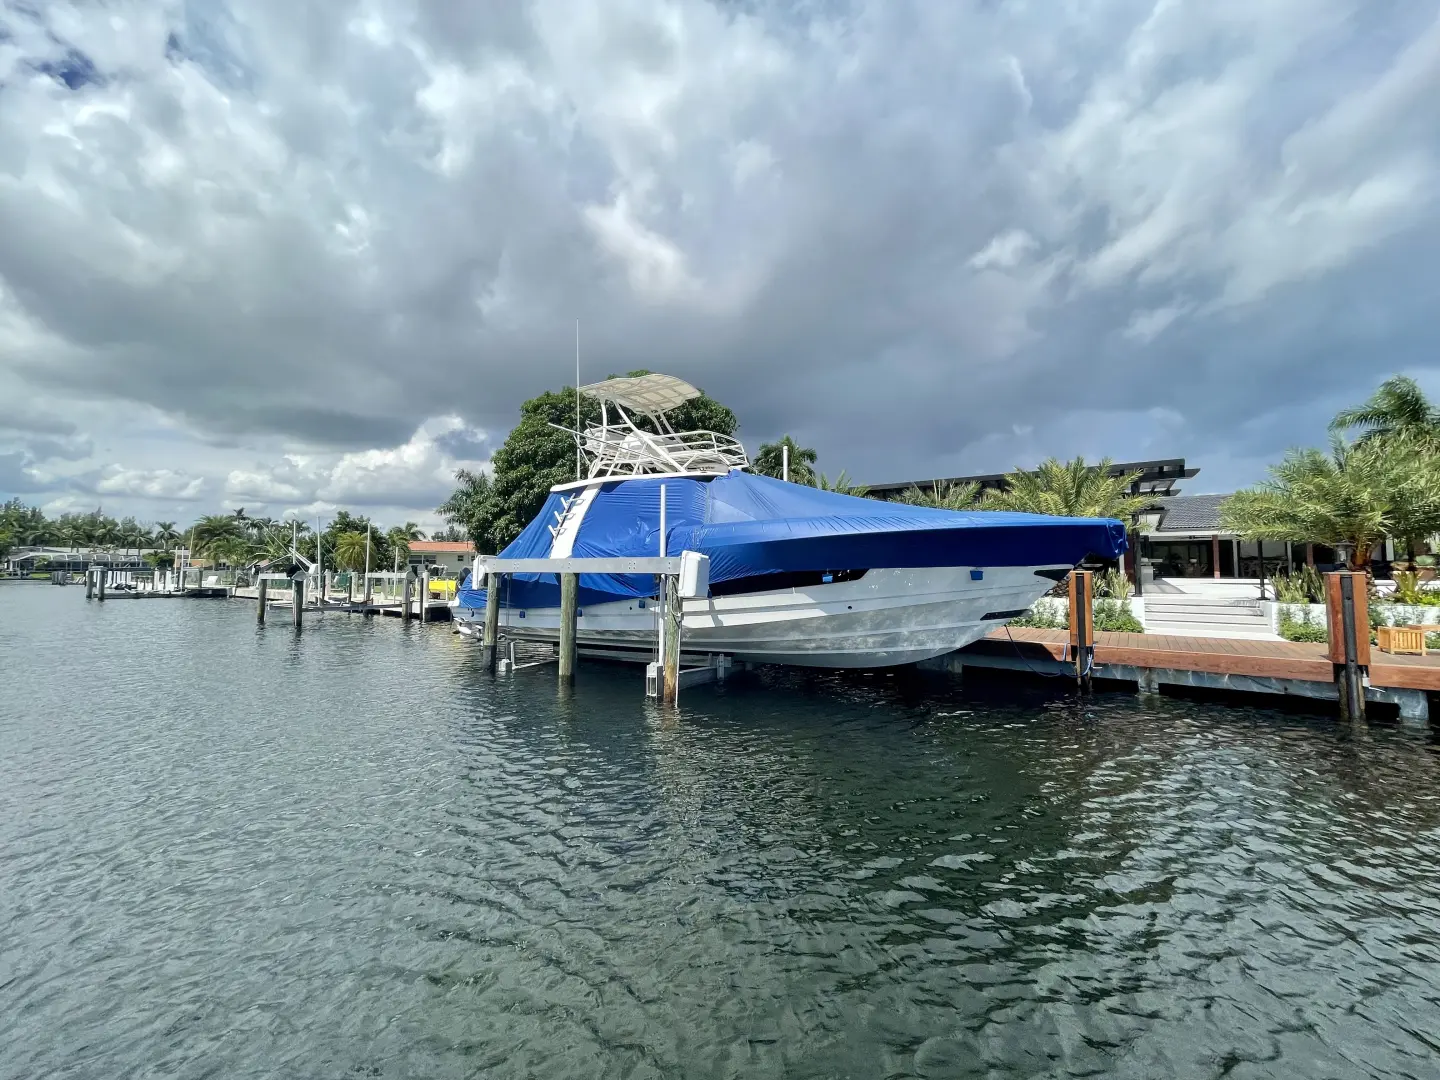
x=797, y=575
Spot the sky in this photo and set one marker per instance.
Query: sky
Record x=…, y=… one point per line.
x=295, y=256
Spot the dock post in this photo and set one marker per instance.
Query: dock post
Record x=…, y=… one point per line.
x=1347, y=615
x=492, y=620
x=90, y=583
x=670, y=693
x=569, y=623
x=407, y=589
x=102, y=573
x=425, y=595
x=262, y=588
x=297, y=597
x=1082, y=625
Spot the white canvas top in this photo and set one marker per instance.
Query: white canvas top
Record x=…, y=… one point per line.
x=651, y=394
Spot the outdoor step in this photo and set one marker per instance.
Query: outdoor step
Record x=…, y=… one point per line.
x=1208, y=609
x=1206, y=619
x=1250, y=634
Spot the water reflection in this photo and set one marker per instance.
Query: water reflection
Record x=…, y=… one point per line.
x=356, y=853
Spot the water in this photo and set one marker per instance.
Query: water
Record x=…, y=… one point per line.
x=227, y=851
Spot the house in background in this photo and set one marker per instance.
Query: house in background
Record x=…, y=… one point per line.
x=453, y=557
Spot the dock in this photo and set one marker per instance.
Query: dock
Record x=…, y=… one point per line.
x=1152, y=661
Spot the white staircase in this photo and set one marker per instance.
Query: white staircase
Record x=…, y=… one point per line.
x=1207, y=616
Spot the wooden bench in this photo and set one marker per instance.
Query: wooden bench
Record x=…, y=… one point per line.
x=1401, y=639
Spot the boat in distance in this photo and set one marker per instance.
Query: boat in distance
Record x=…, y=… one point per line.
x=797, y=575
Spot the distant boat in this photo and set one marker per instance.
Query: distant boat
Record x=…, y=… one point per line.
x=798, y=575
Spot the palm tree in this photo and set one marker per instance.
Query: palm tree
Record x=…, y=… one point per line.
x=842, y=485
x=1069, y=489
x=217, y=536
x=944, y=495
x=400, y=537
x=770, y=461
x=1398, y=407
x=165, y=534
x=1351, y=498
x=350, y=550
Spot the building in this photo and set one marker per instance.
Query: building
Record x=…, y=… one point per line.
x=455, y=558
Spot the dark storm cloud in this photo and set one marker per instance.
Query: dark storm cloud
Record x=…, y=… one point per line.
x=923, y=236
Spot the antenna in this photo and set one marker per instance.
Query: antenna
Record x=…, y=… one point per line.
x=579, y=458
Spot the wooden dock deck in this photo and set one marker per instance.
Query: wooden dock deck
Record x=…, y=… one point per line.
x=1300, y=669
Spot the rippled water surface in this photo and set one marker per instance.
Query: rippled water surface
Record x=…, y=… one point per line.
x=228, y=851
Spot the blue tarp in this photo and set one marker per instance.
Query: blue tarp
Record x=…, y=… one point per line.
x=753, y=525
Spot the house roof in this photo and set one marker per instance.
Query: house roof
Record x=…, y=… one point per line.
x=1190, y=513
x=442, y=547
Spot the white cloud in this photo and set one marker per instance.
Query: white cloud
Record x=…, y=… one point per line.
x=149, y=483
x=274, y=255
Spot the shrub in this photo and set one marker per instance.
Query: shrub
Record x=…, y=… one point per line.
x=1116, y=615
x=1043, y=617
x=1113, y=584
x=1303, y=628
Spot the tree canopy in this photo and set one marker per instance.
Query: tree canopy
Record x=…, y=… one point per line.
x=770, y=461
x=1068, y=489
x=493, y=508
x=1398, y=407
x=1353, y=497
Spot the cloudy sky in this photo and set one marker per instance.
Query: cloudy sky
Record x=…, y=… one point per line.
x=279, y=254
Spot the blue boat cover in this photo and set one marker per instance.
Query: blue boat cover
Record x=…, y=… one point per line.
x=752, y=525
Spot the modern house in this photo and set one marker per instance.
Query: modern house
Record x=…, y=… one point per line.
x=453, y=557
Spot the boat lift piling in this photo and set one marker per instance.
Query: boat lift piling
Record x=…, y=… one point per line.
x=1347, y=613
x=405, y=594
x=297, y=598
x=679, y=577
x=1082, y=626
x=262, y=588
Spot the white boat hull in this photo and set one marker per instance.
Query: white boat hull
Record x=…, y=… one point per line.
x=887, y=617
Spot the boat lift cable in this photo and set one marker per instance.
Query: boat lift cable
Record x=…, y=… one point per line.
x=1064, y=655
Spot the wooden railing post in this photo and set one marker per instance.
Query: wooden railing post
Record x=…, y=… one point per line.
x=1347, y=616
x=1082, y=624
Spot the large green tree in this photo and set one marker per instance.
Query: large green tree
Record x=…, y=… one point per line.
x=1352, y=497
x=493, y=508
x=1068, y=489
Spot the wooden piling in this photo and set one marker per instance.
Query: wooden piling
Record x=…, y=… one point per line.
x=297, y=597
x=262, y=588
x=1082, y=625
x=1347, y=615
x=90, y=583
x=670, y=676
x=425, y=595
x=102, y=574
x=407, y=589
x=491, y=639
x=569, y=624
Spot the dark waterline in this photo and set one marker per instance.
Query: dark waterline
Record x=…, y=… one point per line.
x=228, y=851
